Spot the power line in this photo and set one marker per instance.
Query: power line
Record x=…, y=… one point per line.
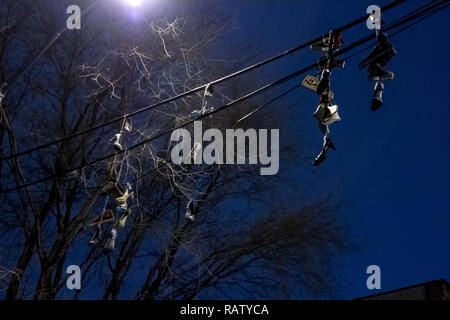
x=163, y=133
x=358, y=52
x=235, y=123
x=436, y=10
x=426, y=15
x=268, y=103
x=299, y=85
x=226, y=106
x=192, y=91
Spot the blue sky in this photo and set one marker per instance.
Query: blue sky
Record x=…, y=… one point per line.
x=391, y=169
x=392, y=166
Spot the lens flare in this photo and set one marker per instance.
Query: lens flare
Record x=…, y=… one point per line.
x=134, y=3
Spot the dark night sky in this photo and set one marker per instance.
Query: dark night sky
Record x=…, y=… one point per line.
x=392, y=166
x=391, y=169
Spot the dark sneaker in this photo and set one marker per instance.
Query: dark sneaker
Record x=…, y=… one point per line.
x=320, y=158
x=117, y=146
x=324, y=44
x=376, y=104
x=324, y=83
x=377, y=73
x=377, y=98
x=334, y=63
x=382, y=54
x=96, y=237
x=111, y=242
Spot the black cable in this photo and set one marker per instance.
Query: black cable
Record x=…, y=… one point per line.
x=351, y=56
x=419, y=20
x=192, y=91
x=268, y=103
x=241, y=99
x=426, y=15
x=235, y=123
x=163, y=133
x=410, y=17
x=420, y=8
x=298, y=85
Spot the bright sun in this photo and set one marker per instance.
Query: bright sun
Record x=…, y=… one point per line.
x=134, y=3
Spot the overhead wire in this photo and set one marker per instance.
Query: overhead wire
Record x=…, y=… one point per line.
x=241, y=99
x=193, y=91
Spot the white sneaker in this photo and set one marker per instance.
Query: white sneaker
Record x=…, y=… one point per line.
x=117, y=146
x=110, y=244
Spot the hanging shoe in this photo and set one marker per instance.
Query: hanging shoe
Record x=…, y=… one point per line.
x=124, y=198
x=320, y=158
x=321, y=45
x=324, y=83
x=377, y=98
x=320, y=111
x=128, y=125
x=123, y=219
x=96, y=237
x=324, y=44
x=117, y=145
x=209, y=90
x=121, y=209
x=331, y=115
x=377, y=73
x=111, y=242
x=190, y=211
x=382, y=54
x=334, y=63
x=338, y=40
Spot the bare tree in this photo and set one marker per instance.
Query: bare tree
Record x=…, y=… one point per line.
x=249, y=239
